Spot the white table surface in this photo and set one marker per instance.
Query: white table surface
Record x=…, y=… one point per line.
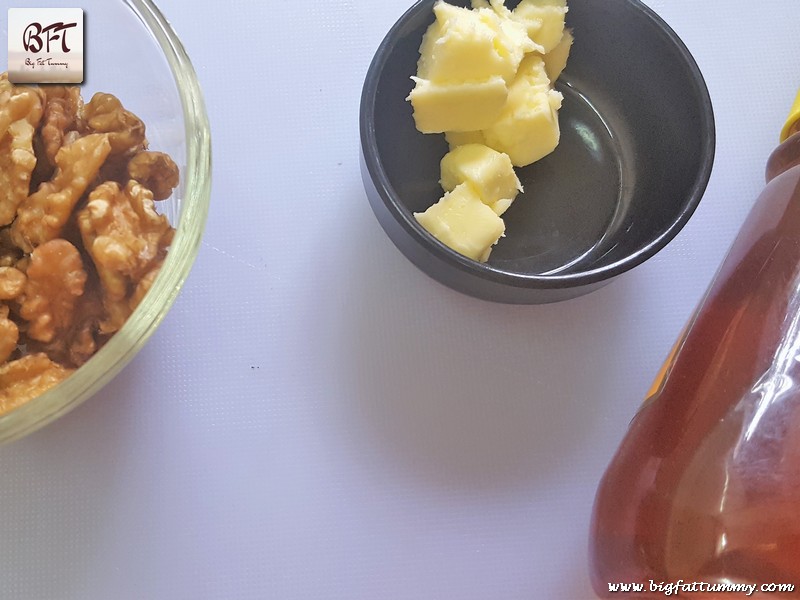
x=316, y=419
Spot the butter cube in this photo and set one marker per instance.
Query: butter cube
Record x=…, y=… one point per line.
x=532, y=134
x=533, y=71
x=527, y=130
x=458, y=47
x=518, y=39
x=459, y=138
x=457, y=106
x=462, y=222
x=501, y=206
x=432, y=35
x=555, y=61
x=490, y=173
x=544, y=20
x=471, y=45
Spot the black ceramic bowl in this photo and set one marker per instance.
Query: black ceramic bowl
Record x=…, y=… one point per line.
x=636, y=151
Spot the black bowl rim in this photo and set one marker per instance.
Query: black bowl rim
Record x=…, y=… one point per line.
x=369, y=146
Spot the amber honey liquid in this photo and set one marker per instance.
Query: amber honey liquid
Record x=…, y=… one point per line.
x=706, y=485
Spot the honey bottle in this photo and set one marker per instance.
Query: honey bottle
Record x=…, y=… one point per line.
x=703, y=495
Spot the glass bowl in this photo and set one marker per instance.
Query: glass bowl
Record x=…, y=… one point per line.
x=131, y=51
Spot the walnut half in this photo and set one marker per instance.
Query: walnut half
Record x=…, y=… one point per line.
x=20, y=113
x=56, y=279
x=127, y=239
x=43, y=215
x=156, y=171
x=104, y=113
x=24, y=379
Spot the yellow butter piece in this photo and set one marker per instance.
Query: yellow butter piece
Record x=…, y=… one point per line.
x=532, y=72
x=543, y=19
x=513, y=40
x=457, y=106
x=527, y=130
x=459, y=46
x=555, y=61
x=432, y=35
x=471, y=45
x=462, y=222
x=501, y=206
x=459, y=138
x=489, y=172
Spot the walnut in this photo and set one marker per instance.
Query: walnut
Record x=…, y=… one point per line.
x=63, y=105
x=105, y=114
x=156, y=171
x=82, y=342
x=126, y=239
x=76, y=345
x=9, y=334
x=56, y=279
x=20, y=113
x=42, y=215
x=12, y=283
x=59, y=128
x=28, y=377
x=126, y=133
x=57, y=122
x=19, y=102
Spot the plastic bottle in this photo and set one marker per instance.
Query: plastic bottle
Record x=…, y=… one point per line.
x=705, y=488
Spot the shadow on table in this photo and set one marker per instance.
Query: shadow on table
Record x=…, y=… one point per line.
x=467, y=393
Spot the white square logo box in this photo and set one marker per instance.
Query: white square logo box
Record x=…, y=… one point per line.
x=45, y=45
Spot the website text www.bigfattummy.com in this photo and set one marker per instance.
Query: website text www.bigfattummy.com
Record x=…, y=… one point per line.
x=680, y=586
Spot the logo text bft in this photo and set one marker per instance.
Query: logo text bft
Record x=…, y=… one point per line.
x=32, y=36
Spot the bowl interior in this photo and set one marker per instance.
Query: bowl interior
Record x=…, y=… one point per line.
x=637, y=143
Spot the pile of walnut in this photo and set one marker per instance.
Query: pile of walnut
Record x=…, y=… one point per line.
x=80, y=240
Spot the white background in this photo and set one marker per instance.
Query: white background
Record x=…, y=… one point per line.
x=316, y=419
